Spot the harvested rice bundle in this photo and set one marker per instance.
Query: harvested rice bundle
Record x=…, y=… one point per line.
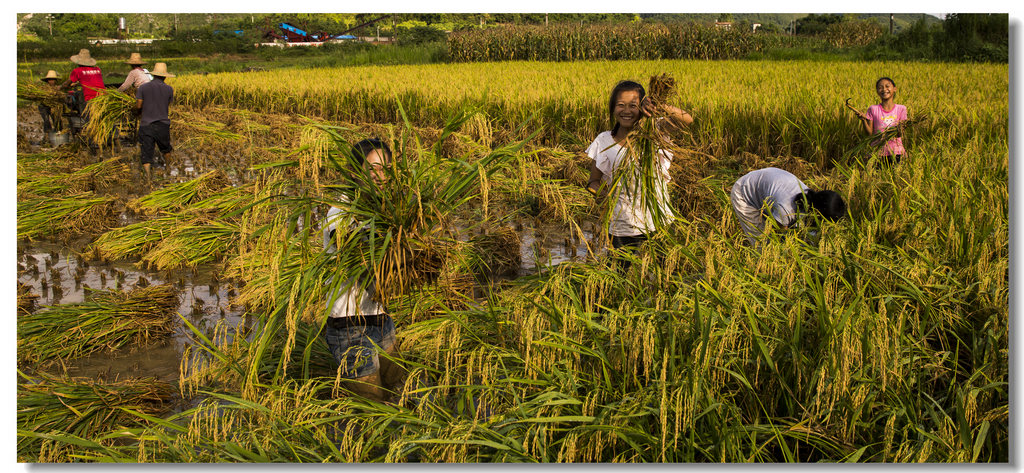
x=194, y=244
x=198, y=130
x=179, y=196
x=64, y=217
x=43, y=94
x=94, y=177
x=135, y=239
x=107, y=321
x=34, y=165
x=408, y=218
x=109, y=112
x=499, y=250
x=83, y=407
x=876, y=141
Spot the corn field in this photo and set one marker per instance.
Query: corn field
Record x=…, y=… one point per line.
x=882, y=339
x=646, y=41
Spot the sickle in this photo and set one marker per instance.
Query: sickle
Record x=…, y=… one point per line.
x=850, y=107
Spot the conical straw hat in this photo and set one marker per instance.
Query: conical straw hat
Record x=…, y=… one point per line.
x=50, y=75
x=135, y=60
x=83, y=58
x=160, y=69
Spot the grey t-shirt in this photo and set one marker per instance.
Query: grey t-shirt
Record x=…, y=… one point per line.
x=774, y=187
x=156, y=97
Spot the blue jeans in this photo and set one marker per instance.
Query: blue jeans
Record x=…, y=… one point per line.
x=354, y=348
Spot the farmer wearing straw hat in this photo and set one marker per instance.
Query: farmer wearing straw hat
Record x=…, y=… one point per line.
x=87, y=74
x=49, y=122
x=137, y=76
x=153, y=100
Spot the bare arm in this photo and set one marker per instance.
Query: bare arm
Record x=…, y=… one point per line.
x=128, y=81
x=677, y=117
x=865, y=120
x=594, y=183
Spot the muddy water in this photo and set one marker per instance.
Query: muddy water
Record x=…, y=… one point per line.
x=58, y=276
x=551, y=245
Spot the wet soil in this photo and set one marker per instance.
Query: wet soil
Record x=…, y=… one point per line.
x=58, y=275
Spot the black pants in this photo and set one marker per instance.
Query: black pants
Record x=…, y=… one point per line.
x=154, y=134
x=48, y=119
x=624, y=244
x=890, y=160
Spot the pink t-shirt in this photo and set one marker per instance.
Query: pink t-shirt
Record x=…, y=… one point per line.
x=882, y=119
x=91, y=79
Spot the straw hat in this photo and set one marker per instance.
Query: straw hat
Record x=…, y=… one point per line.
x=50, y=75
x=160, y=69
x=135, y=60
x=83, y=58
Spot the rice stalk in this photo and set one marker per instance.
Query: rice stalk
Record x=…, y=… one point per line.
x=82, y=407
x=64, y=216
x=108, y=321
x=178, y=197
x=109, y=112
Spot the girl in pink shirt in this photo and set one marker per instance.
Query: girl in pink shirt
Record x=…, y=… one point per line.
x=884, y=115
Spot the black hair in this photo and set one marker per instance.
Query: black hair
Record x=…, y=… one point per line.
x=880, y=79
x=363, y=148
x=828, y=203
x=621, y=87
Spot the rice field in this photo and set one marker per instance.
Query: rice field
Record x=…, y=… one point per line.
x=883, y=339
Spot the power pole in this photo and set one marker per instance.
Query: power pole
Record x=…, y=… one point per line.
x=545, y=19
x=891, y=21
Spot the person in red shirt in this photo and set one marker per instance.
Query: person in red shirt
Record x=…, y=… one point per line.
x=86, y=74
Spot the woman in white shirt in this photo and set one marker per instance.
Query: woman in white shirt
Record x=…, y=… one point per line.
x=357, y=323
x=631, y=221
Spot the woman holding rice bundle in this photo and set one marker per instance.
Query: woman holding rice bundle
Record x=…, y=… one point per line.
x=357, y=322
x=632, y=219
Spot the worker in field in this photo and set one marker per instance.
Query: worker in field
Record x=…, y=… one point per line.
x=50, y=123
x=782, y=196
x=358, y=324
x=883, y=116
x=631, y=221
x=153, y=99
x=88, y=76
x=138, y=75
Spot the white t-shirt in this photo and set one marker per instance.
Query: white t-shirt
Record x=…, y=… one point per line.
x=349, y=299
x=630, y=217
x=774, y=187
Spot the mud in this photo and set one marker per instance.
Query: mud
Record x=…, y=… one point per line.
x=58, y=275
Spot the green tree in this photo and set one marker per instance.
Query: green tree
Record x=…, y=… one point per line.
x=814, y=24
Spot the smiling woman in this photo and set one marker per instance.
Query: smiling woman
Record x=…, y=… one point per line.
x=641, y=205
